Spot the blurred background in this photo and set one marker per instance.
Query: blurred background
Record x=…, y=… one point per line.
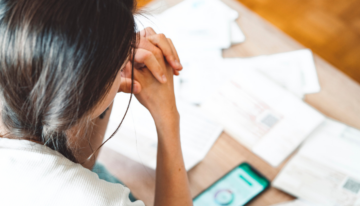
x=330, y=28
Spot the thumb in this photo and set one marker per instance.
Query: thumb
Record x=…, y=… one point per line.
x=125, y=86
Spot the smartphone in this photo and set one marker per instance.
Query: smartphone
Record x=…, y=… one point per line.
x=238, y=187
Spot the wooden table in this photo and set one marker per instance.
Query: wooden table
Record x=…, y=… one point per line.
x=338, y=99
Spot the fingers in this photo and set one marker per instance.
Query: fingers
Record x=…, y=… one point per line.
x=167, y=49
x=173, y=49
x=148, y=58
x=176, y=54
x=165, y=44
x=125, y=86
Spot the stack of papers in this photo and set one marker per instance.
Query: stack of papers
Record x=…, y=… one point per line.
x=137, y=137
x=208, y=27
x=326, y=169
x=261, y=115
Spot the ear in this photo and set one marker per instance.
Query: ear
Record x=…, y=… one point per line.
x=126, y=72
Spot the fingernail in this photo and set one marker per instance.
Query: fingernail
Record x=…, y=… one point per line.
x=177, y=63
x=164, y=78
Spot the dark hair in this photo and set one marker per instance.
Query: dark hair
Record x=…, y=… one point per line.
x=58, y=59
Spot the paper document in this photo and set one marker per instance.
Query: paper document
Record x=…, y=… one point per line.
x=206, y=72
x=326, y=169
x=295, y=70
x=261, y=115
x=296, y=203
x=137, y=137
x=204, y=24
x=196, y=24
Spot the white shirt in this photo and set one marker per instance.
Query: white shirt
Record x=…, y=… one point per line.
x=32, y=174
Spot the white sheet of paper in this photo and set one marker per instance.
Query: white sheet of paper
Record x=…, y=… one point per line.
x=326, y=169
x=304, y=61
x=261, y=115
x=137, y=137
x=296, y=203
x=295, y=70
x=199, y=24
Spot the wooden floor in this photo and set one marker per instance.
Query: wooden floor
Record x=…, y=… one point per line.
x=331, y=28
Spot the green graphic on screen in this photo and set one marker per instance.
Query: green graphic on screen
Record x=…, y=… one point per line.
x=235, y=189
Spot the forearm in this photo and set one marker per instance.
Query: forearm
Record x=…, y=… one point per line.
x=172, y=187
x=157, y=95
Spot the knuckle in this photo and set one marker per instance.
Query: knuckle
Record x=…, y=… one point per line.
x=157, y=53
x=161, y=36
x=147, y=54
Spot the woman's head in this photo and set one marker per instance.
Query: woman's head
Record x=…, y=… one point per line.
x=58, y=61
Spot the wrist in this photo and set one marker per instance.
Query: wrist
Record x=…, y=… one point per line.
x=165, y=113
x=166, y=118
x=167, y=123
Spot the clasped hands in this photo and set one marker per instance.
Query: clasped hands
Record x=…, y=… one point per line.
x=156, y=61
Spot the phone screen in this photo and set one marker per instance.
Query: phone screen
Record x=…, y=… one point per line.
x=236, y=188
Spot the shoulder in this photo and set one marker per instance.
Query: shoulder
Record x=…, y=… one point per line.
x=38, y=175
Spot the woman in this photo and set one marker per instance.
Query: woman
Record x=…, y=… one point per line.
x=62, y=63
